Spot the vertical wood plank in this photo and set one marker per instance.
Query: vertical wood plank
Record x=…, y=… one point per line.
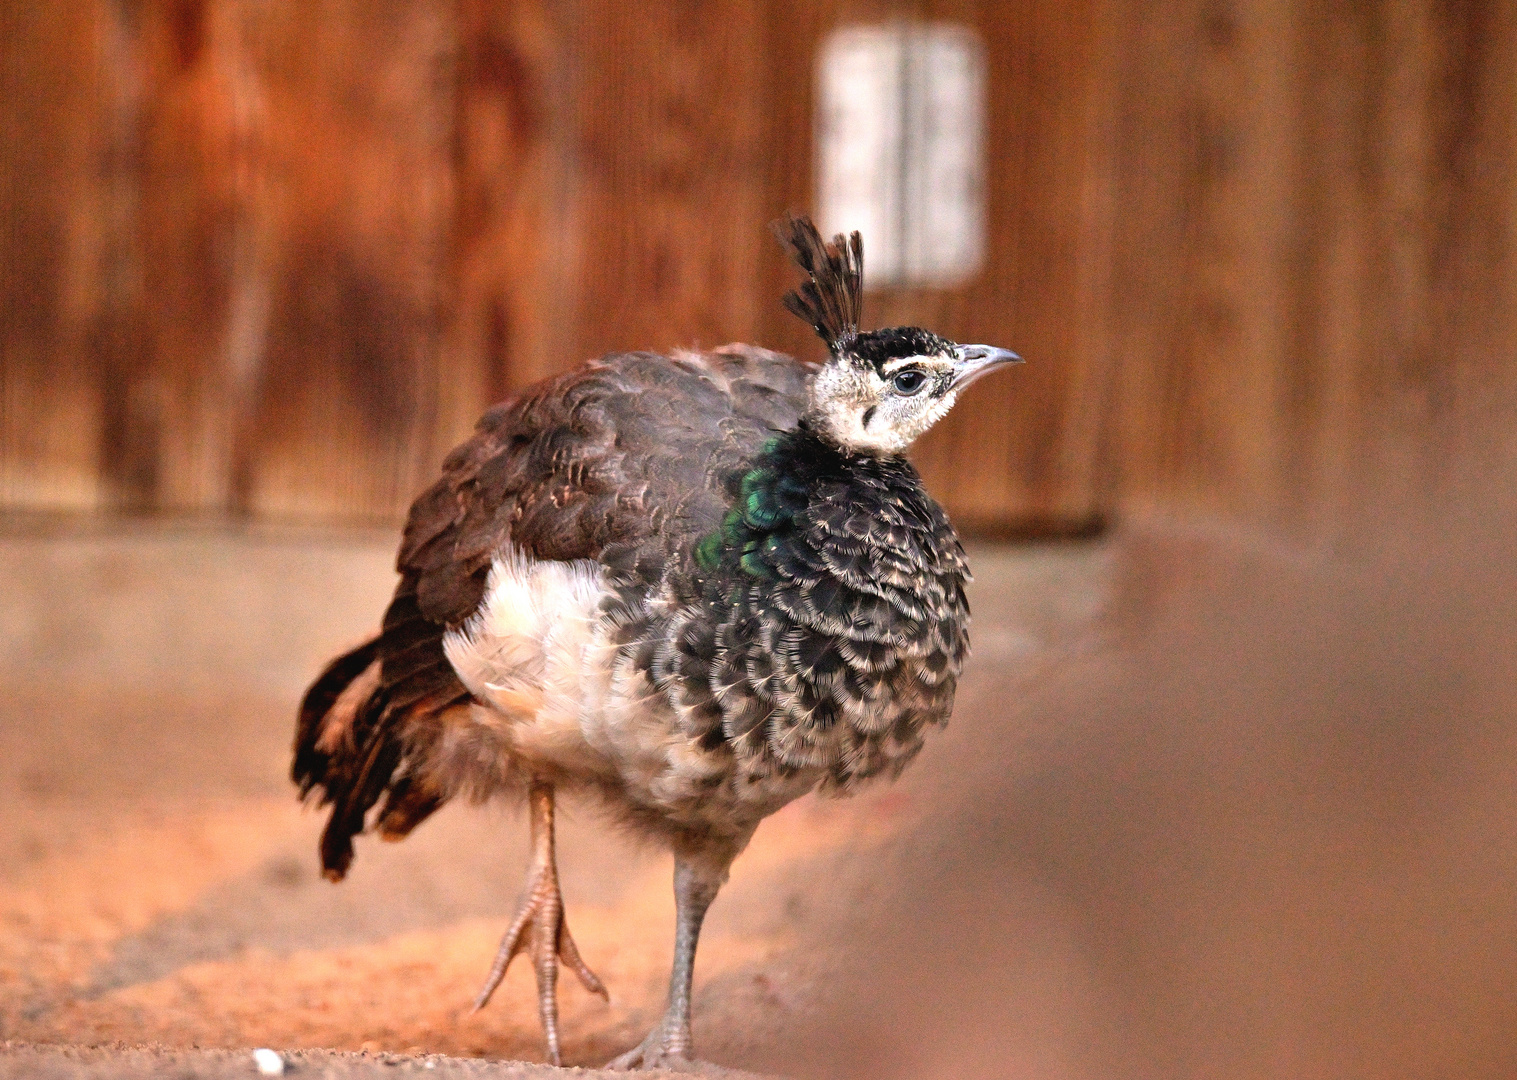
x=1207, y=154
x=357, y=140
x=1341, y=284
x=669, y=166
x=509, y=319
x=54, y=249
x=1466, y=374
x=196, y=142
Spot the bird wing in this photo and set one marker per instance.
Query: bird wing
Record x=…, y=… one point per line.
x=623, y=458
x=622, y=461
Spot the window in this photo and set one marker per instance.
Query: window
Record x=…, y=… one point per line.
x=900, y=149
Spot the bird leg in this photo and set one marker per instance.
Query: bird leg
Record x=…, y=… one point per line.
x=696, y=883
x=540, y=927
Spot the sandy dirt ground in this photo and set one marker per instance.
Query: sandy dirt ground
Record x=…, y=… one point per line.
x=1208, y=807
x=41, y=1061
x=158, y=880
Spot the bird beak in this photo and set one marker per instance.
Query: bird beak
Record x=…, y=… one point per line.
x=972, y=361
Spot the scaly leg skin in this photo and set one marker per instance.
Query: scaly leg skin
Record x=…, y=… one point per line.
x=695, y=885
x=540, y=927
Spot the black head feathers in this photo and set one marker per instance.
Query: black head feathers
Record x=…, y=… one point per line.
x=833, y=300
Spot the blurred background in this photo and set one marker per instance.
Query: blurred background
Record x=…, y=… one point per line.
x=1228, y=792
x=271, y=260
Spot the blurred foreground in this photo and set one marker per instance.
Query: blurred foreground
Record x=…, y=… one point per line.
x=1208, y=807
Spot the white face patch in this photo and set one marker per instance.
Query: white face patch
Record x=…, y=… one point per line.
x=860, y=409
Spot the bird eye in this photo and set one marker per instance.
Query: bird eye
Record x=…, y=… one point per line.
x=908, y=382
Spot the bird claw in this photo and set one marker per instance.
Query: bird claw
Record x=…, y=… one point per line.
x=540, y=927
x=659, y=1049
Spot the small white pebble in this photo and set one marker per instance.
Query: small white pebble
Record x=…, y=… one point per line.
x=268, y=1061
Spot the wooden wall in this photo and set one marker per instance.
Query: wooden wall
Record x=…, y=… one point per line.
x=1313, y=282
x=272, y=259
x=225, y=271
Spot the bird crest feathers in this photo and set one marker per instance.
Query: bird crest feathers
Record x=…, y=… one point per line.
x=833, y=300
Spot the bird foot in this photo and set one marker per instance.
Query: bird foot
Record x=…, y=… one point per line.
x=540, y=929
x=662, y=1047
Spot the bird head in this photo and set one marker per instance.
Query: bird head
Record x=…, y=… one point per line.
x=879, y=390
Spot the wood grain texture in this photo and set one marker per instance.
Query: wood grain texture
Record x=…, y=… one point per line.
x=1312, y=272
x=508, y=320
x=56, y=252
x=669, y=159
x=358, y=118
x=275, y=259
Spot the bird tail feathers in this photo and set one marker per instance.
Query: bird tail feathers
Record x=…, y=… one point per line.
x=349, y=745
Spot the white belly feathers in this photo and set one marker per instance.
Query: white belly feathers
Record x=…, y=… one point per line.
x=530, y=650
x=557, y=698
